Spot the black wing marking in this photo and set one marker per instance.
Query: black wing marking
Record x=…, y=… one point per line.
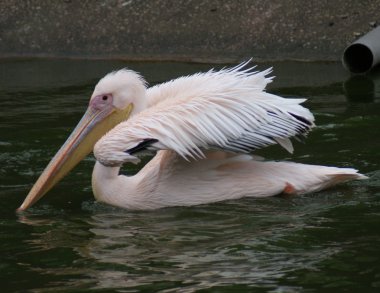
x=143, y=145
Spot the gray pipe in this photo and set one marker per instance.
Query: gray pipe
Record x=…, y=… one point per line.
x=364, y=53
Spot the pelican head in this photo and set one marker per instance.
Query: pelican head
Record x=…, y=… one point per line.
x=116, y=97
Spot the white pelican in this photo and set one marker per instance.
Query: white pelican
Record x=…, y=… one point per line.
x=200, y=125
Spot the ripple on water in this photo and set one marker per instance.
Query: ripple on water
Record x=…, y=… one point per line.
x=236, y=242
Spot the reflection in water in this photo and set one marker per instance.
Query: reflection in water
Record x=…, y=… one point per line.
x=359, y=88
x=363, y=88
x=245, y=242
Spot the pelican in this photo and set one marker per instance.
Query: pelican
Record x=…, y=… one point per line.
x=202, y=127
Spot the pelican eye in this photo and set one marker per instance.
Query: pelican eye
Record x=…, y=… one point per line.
x=105, y=98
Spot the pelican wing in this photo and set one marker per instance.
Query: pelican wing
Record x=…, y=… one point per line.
x=226, y=109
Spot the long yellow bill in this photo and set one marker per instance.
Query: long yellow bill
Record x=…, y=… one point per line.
x=93, y=125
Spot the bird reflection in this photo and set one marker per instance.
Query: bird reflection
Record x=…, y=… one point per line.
x=181, y=248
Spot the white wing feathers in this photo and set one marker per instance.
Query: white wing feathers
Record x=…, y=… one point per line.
x=226, y=109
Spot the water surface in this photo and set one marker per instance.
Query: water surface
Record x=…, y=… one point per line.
x=321, y=242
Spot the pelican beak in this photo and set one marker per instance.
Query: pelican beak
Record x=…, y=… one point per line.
x=93, y=125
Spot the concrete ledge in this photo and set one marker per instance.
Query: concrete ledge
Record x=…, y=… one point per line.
x=185, y=30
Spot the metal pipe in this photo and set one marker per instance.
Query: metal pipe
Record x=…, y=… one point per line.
x=363, y=54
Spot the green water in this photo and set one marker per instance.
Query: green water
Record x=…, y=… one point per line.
x=323, y=242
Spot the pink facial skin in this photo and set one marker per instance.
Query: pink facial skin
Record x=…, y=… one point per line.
x=101, y=101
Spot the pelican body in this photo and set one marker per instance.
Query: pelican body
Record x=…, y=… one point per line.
x=202, y=127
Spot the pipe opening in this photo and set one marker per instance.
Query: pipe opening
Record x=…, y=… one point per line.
x=358, y=58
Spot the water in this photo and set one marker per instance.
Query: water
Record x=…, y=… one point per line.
x=323, y=242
